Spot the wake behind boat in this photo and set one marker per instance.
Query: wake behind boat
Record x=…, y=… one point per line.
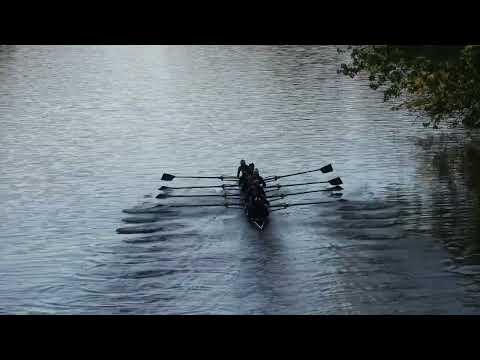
x=256, y=195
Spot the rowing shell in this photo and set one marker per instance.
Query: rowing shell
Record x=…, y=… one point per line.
x=262, y=220
x=259, y=222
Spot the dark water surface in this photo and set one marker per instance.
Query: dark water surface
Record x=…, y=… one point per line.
x=87, y=131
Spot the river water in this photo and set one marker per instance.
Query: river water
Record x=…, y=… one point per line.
x=87, y=131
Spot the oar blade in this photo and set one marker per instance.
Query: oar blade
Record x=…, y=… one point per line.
x=167, y=177
x=161, y=196
x=326, y=169
x=163, y=188
x=336, y=181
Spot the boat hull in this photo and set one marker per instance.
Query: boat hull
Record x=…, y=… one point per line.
x=258, y=222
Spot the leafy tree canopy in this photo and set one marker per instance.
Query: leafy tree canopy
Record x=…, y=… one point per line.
x=438, y=81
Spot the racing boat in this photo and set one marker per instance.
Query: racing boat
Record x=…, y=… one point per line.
x=231, y=191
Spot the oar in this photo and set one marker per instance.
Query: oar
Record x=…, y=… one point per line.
x=169, y=177
x=284, y=206
x=198, y=205
x=325, y=169
x=335, y=188
x=334, y=181
x=281, y=196
x=198, y=187
x=164, y=196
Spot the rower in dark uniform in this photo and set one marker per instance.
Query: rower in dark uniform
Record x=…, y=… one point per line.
x=243, y=168
x=251, y=167
x=246, y=182
x=244, y=171
x=255, y=190
x=257, y=177
x=257, y=207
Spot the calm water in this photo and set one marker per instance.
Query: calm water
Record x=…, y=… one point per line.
x=87, y=131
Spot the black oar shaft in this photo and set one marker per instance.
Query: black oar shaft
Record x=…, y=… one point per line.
x=324, y=169
x=197, y=187
x=281, y=196
x=335, y=181
x=297, y=184
x=207, y=177
x=200, y=205
x=299, y=204
x=198, y=195
x=170, y=177
x=202, y=195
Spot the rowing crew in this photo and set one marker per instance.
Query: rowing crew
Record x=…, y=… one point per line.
x=252, y=186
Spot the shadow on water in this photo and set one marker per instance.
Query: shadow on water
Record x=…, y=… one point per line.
x=158, y=238
x=149, y=219
x=149, y=228
x=139, y=275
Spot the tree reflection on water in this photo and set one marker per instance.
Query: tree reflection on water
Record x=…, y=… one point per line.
x=449, y=168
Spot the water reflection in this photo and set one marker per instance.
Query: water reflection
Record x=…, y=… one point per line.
x=449, y=164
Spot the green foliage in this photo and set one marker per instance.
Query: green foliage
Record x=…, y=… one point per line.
x=440, y=82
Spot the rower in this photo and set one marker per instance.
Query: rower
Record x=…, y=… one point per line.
x=257, y=177
x=256, y=190
x=251, y=167
x=253, y=189
x=243, y=168
x=246, y=182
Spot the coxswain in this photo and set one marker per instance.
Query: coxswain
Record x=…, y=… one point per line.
x=257, y=207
